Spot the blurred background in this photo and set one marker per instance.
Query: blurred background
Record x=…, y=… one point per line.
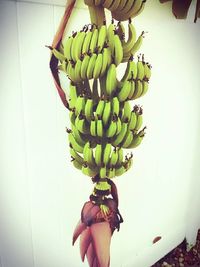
x=41, y=194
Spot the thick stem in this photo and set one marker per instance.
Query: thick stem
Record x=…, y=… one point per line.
x=97, y=15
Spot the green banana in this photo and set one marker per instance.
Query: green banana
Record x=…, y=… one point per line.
x=121, y=135
x=89, y=171
x=118, y=50
x=124, y=91
x=89, y=109
x=80, y=105
x=84, y=66
x=112, y=129
x=99, y=127
x=98, y=66
x=91, y=65
x=78, y=136
x=98, y=154
x=106, y=153
x=102, y=37
x=76, y=164
x=133, y=118
x=115, y=106
x=73, y=94
x=100, y=108
x=140, y=70
x=111, y=80
x=74, y=143
x=93, y=127
x=76, y=156
x=131, y=38
x=102, y=172
x=94, y=40
x=139, y=120
x=106, y=113
x=137, y=139
x=113, y=158
x=126, y=111
x=138, y=89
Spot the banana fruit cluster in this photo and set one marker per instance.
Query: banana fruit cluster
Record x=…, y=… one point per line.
x=103, y=120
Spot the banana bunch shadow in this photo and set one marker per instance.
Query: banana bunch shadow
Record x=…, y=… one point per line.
x=103, y=121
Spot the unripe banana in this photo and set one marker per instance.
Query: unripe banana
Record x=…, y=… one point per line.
x=102, y=37
x=120, y=156
x=115, y=106
x=76, y=156
x=98, y=66
x=118, y=50
x=84, y=67
x=145, y=87
x=72, y=116
x=138, y=89
x=131, y=38
x=78, y=136
x=133, y=118
x=119, y=125
x=112, y=129
x=126, y=111
x=74, y=144
x=73, y=94
x=99, y=127
x=111, y=173
x=76, y=164
x=113, y=158
x=91, y=65
x=89, y=109
x=106, y=153
x=93, y=127
x=106, y=60
x=120, y=171
x=89, y=171
x=78, y=70
x=140, y=70
x=94, y=39
x=110, y=34
x=124, y=91
x=111, y=80
x=78, y=44
x=100, y=108
x=121, y=135
x=106, y=113
x=137, y=139
x=139, y=120
x=80, y=105
x=98, y=155
x=60, y=56
x=102, y=172
x=127, y=139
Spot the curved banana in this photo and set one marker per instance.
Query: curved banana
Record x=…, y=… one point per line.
x=138, y=89
x=89, y=171
x=111, y=80
x=112, y=129
x=106, y=153
x=98, y=154
x=137, y=139
x=76, y=156
x=131, y=38
x=139, y=120
x=102, y=36
x=91, y=65
x=89, y=109
x=98, y=66
x=118, y=50
x=124, y=91
x=121, y=135
x=106, y=113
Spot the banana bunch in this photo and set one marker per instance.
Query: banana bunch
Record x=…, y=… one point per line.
x=102, y=120
x=121, y=9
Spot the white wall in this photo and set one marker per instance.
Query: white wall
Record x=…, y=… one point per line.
x=41, y=193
